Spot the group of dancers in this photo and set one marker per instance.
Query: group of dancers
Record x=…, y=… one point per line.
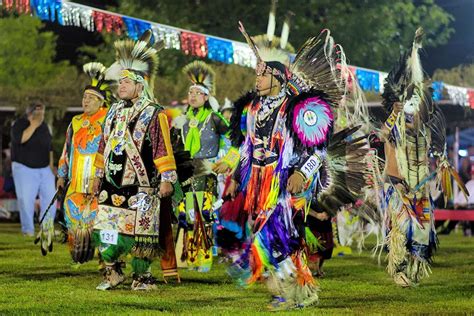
x=298, y=149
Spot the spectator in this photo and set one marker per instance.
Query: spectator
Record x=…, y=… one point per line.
x=465, y=170
x=460, y=201
x=32, y=165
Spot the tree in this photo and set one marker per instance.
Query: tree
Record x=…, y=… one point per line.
x=28, y=70
x=462, y=75
x=372, y=31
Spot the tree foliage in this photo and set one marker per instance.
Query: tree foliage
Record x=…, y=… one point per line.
x=372, y=31
x=25, y=51
x=27, y=67
x=462, y=75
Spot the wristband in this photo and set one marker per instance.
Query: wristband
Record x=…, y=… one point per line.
x=231, y=158
x=99, y=173
x=391, y=120
x=169, y=176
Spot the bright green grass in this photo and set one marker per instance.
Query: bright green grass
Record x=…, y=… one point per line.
x=32, y=284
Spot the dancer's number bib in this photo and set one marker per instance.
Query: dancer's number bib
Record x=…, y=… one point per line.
x=191, y=215
x=311, y=166
x=109, y=236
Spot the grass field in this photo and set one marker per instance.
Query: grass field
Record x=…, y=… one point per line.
x=32, y=284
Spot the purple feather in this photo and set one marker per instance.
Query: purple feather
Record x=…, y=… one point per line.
x=245, y=166
x=278, y=234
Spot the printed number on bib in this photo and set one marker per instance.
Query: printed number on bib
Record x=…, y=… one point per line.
x=109, y=236
x=311, y=166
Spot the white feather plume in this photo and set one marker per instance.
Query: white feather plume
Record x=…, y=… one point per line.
x=271, y=22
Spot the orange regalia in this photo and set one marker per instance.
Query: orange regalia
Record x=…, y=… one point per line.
x=77, y=165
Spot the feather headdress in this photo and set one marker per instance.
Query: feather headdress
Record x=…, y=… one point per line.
x=271, y=51
x=201, y=74
x=96, y=72
x=270, y=59
x=100, y=85
x=406, y=80
x=315, y=67
x=268, y=47
x=137, y=60
x=203, y=77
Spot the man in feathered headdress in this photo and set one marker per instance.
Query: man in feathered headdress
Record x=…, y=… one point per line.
x=203, y=129
x=414, y=131
x=76, y=168
x=288, y=154
x=138, y=170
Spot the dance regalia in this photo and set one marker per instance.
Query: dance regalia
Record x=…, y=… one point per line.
x=77, y=165
x=202, y=132
x=279, y=136
x=135, y=156
x=204, y=189
x=415, y=133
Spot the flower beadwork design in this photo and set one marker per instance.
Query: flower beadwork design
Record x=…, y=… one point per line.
x=144, y=222
x=129, y=227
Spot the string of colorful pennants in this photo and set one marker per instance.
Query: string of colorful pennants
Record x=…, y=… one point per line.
x=192, y=43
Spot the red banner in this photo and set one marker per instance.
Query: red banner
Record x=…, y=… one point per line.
x=193, y=44
x=470, y=97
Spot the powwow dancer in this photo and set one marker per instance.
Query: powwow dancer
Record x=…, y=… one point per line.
x=232, y=229
x=138, y=171
x=284, y=131
x=202, y=131
x=414, y=130
x=76, y=169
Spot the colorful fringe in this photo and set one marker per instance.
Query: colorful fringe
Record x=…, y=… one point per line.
x=232, y=230
x=293, y=281
x=410, y=222
x=254, y=189
x=276, y=257
x=312, y=242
